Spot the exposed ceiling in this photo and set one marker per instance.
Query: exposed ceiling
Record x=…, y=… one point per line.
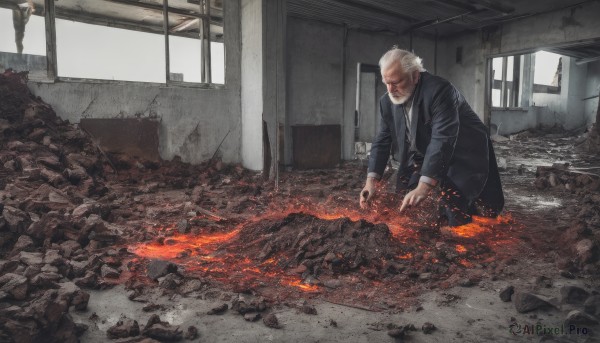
x=141, y=15
x=444, y=17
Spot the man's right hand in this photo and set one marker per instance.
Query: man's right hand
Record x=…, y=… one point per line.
x=367, y=192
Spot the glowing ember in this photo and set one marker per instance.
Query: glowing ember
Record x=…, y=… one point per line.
x=461, y=249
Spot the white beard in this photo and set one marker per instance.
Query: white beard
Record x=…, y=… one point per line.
x=398, y=100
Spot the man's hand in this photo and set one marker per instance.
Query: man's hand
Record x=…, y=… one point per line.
x=414, y=197
x=367, y=192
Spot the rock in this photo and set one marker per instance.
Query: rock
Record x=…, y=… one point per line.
x=592, y=305
x=553, y=180
x=573, y=294
x=191, y=333
x=506, y=293
x=15, y=285
x=163, y=332
x=16, y=219
x=502, y=163
x=527, y=302
x=158, y=268
x=108, y=272
x=190, y=285
x=170, y=281
x=67, y=248
x=53, y=258
x=183, y=226
x=83, y=210
x=271, y=321
x=31, y=258
x=24, y=243
x=467, y=282
x=577, y=317
x=123, y=329
x=397, y=333
x=587, y=251
x=218, y=310
x=308, y=309
x=428, y=328
x=252, y=316
x=332, y=283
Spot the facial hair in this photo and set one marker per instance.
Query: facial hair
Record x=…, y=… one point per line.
x=399, y=100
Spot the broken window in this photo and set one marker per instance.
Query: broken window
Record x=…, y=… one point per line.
x=23, y=38
x=507, y=86
x=548, y=73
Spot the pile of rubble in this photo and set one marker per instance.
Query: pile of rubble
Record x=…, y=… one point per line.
x=63, y=206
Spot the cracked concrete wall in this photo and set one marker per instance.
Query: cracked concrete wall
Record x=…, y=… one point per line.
x=193, y=121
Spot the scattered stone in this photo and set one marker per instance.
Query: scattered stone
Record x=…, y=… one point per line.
x=506, y=293
x=333, y=323
x=218, y=310
x=14, y=284
x=332, y=283
x=308, y=309
x=567, y=274
x=271, y=321
x=191, y=333
x=573, y=295
x=428, y=328
x=252, y=316
x=577, y=317
x=162, y=331
x=592, y=305
x=108, y=272
x=397, y=333
x=183, y=226
x=123, y=329
x=158, y=268
x=527, y=302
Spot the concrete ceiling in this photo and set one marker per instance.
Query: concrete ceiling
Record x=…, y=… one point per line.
x=442, y=17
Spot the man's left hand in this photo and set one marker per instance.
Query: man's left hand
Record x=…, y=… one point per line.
x=416, y=196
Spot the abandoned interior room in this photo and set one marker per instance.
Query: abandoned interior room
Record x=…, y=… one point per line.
x=276, y=171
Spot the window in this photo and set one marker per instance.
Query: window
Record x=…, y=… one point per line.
x=25, y=48
x=548, y=73
x=165, y=41
x=506, y=86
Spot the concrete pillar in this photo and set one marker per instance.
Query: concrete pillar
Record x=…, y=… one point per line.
x=527, y=71
x=263, y=79
x=252, y=84
x=573, y=88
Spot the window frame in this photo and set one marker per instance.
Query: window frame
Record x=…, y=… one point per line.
x=205, y=40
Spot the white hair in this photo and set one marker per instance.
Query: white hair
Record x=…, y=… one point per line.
x=409, y=61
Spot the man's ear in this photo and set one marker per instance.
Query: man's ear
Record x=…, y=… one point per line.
x=415, y=76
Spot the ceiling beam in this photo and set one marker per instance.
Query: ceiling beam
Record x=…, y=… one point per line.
x=375, y=9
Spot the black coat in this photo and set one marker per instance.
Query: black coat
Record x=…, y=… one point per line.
x=452, y=138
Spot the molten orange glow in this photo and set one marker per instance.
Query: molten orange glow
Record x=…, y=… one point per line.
x=461, y=249
x=302, y=286
x=203, y=252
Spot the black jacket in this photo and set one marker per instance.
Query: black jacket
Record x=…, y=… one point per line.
x=452, y=138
